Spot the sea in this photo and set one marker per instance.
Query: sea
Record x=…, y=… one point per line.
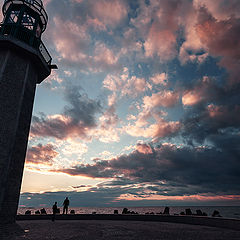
x=225, y=211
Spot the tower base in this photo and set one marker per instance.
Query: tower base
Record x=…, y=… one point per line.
x=19, y=74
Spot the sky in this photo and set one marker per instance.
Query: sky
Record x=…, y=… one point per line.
x=144, y=108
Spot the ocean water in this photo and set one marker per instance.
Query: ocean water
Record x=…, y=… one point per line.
x=226, y=212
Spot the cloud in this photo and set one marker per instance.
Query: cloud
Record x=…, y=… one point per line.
x=71, y=40
x=156, y=44
x=201, y=124
x=102, y=197
x=163, y=98
x=104, y=55
x=76, y=120
x=221, y=10
x=73, y=43
x=160, y=78
x=41, y=154
x=173, y=170
x=109, y=12
x=191, y=98
x=124, y=84
x=210, y=29
x=144, y=148
x=203, y=91
x=160, y=20
x=107, y=130
x=143, y=36
x=221, y=39
x=228, y=115
x=160, y=129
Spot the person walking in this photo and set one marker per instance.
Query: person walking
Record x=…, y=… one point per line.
x=65, y=205
x=54, y=209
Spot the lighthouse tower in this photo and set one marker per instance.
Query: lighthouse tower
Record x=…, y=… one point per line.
x=24, y=63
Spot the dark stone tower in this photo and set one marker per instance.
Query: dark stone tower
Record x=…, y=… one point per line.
x=24, y=62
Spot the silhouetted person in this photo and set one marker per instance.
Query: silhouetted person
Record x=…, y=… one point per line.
x=65, y=205
x=166, y=211
x=55, y=209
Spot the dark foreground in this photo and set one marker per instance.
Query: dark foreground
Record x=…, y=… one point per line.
x=124, y=230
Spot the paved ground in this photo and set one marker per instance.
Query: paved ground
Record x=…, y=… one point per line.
x=116, y=230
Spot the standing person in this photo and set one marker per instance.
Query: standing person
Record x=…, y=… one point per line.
x=54, y=208
x=65, y=205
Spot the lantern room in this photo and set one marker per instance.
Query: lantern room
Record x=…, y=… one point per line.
x=25, y=20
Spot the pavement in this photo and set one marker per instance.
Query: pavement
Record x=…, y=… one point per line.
x=116, y=230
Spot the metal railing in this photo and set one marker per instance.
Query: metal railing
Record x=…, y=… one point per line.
x=25, y=35
x=44, y=52
x=35, y=5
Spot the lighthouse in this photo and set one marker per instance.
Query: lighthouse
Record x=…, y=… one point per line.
x=24, y=63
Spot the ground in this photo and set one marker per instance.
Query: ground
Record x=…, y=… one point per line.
x=71, y=230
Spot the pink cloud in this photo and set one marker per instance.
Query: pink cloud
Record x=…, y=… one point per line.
x=104, y=55
x=192, y=46
x=160, y=78
x=221, y=9
x=159, y=22
x=96, y=24
x=211, y=26
x=144, y=148
x=221, y=38
x=58, y=126
x=123, y=84
x=204, y=90
x=161, y=99
x=160, y=129
x=224, y=114
x=77, y=1
x=107, y=130
x=191, y=98
x=46, y=2
x=71, y=40
x=216, y=111
x=41, y=154
x=164, y=128
x=110, y=12
x=162, y=43
x=73, y=44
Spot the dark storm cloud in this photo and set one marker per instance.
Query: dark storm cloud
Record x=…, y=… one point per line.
x=77, y=118
x=185, y=170
x=218, y=110
x=82, y=109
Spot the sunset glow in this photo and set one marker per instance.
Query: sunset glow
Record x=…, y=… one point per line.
x=144, y=108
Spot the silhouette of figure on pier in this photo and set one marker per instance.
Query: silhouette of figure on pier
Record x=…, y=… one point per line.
x=65, y=205
x=55, y=210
